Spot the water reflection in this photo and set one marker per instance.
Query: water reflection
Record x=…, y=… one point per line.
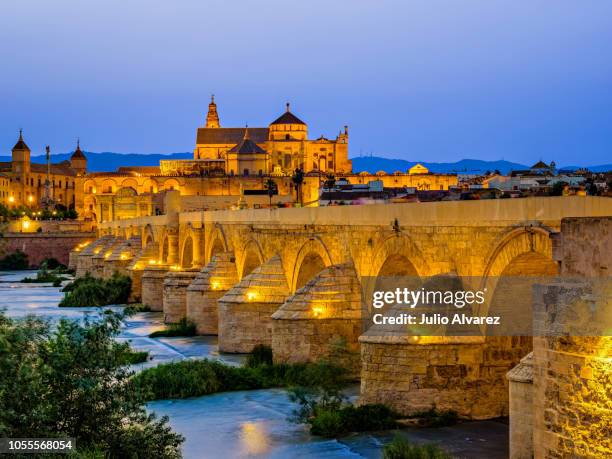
x=254, y=438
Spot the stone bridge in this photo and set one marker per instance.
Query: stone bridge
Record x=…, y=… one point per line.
x=292, y=279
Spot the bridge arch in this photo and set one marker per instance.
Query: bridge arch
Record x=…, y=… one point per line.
x=312, y=258
x=164, y=249
x=398, y=256
x=187, y=252
x=251, y=257
x=218, y=243
x=521, y=259
x=148, y=237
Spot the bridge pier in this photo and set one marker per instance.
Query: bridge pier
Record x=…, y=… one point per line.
x=136, y=269
x=210, y=284
x=84, y=259
x=121, y=257
x=175, y=293
x=98, y=260
x=153, y=286
x=245, y=312
x=323, y=319
x=463, y=374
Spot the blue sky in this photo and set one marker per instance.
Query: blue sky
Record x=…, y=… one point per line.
x=434, y=80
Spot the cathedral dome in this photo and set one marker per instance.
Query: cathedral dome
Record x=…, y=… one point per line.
x=287, y=118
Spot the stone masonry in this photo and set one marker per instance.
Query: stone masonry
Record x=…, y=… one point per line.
x=209, y=285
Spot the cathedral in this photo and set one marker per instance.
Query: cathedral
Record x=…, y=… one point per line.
x=229, y=165
x=278, y=149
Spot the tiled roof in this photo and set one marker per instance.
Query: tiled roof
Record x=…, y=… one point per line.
x=247, y=146
x=288, y=118
x=230, y=136
x=62, y=168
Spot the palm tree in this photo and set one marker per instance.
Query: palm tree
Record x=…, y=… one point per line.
x=271, y=187
x=298, y=179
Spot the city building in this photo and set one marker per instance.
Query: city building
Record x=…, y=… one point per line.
x=24, y=183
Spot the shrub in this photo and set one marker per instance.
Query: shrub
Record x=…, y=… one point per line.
x=435, y=418
x=136, y=307
x=90, y=291
x=134, y=357
x=14, y=261
x=52, y=263
x=193, y=378
x=338, y=422
x=41, y=364
x=260, y=355
x=44, y=276
x=400, y=448
x=183, y=327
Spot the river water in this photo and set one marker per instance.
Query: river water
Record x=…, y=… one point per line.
x=248, y=423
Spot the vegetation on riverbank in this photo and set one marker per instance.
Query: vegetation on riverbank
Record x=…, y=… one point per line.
x=183, y=327
x=40, y=365
x=15, y=261
x=400, y=448
x=92, y=291
x=194, y=378
x=134, y=357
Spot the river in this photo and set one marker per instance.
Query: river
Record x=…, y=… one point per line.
x=247, y=423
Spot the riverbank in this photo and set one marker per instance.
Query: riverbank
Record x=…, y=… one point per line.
x=246, y=423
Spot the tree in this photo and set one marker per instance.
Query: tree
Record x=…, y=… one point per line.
x=330, y=181
x=298, y=180
x=71, y=381
x=557, y=188
x=272, y=189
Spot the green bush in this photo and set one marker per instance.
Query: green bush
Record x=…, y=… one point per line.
x=14, y=261
x=52, y=263
x=91, y=291
x=70, y=380
x=44, y=276
x=136, y=307
x=337, y=422
x=435, y=418
x=134, y=357
x=260, y=355
x=400, y=448
x=193, y=378
x=183, y=327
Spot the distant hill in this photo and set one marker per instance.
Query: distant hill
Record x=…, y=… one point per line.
x=466, y=166
x=108, y=161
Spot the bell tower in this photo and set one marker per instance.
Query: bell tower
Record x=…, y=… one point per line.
x=212, y=118
x=21, y=156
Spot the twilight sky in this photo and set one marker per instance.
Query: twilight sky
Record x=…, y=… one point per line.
x=435, y=80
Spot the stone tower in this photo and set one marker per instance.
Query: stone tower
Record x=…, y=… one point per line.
x=212, y=118
x=78, y=161
x=21, y=156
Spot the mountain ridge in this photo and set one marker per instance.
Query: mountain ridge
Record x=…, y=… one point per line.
x=110, y=161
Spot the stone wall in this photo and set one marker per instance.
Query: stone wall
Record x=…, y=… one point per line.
x=245, y=312
x=464, y=374
x=39, y=246
x=175, y=294
x=521, y=409
x=323, y=320
x=153, y=287
x=573, y=374
x=209, y=285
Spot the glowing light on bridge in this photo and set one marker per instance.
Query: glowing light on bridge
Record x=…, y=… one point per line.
x=215, y=285
x=252, y=295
